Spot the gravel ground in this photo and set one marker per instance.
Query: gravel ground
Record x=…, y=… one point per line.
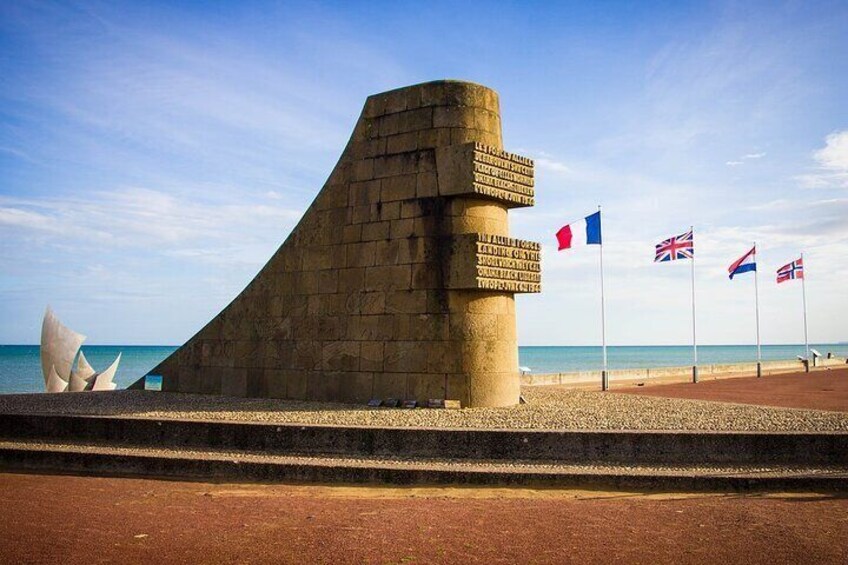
x=547, y=408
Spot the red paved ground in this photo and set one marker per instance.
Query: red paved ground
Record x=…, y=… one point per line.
x=64, y=519
x=820, y=390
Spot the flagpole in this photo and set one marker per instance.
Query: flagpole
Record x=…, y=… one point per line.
x=604, y=372
x=694, y=340
x=804, y=298
x=757, y=310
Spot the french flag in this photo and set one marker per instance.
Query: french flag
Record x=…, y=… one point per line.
x=747, y=262
x=585, y=232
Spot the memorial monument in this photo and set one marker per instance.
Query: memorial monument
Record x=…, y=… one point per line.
x=63, y=365
x=398, y=281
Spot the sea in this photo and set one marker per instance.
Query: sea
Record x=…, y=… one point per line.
x=20, y=365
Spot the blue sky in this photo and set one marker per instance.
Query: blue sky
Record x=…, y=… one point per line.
x=153, y=156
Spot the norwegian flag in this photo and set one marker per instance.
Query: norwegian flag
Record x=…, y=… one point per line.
x=794, y=270
x=677, y=247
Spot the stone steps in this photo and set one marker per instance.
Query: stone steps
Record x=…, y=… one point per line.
x=632, y=448
x=241, y=451
x=237, y=466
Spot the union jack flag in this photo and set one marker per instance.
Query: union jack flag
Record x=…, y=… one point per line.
x=677, y=247
x=794, y=270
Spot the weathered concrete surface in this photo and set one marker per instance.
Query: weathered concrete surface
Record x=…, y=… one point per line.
x=399, y=279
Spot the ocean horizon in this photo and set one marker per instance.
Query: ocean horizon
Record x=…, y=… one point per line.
x=20, y=365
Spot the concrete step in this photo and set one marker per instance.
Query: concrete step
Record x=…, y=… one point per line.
x=253, y=466
x=574, y=447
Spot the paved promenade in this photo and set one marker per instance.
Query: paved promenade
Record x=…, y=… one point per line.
x=150, y=521
x=819, y=390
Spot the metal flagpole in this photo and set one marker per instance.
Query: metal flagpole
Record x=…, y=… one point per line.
x=804, y=298
x=694, y=340
x=757, y=307
x=604, y=372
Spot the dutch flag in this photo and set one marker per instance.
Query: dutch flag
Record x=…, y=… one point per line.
x=585, y=232
x=747, y=262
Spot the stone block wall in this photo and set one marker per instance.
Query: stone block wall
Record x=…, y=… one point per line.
x=399, y=279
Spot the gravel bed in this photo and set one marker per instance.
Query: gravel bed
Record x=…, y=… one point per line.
x=547, y=408
x=444, y=464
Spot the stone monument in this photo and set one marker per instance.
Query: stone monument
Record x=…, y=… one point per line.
x=398, y=281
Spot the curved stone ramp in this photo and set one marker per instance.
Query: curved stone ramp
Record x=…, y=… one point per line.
x=272, y=452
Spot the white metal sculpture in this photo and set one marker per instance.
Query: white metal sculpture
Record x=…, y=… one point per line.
x=60, y=347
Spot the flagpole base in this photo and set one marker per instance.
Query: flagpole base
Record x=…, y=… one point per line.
x=806, y=365
x=604, y=380
x=695, y=374
x=759, y=370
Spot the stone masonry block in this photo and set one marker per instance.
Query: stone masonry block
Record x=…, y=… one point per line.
x=406, y=302
x=402, y=143
x=340, y=356
x=364, y=193
x=431, y=327
x=388, y=277
x=296, y=384
x=234, y=382
x=389, y=385
x=389, y=210
x=371, y=328
x=424, y=386
x=399, y=187
x=375, y=231
x=360, y=254
x=277, y=383
x=356, y=387
x=409, y=356
x=324, y=386
x=371, y=356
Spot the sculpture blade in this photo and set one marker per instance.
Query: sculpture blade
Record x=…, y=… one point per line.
x=76, y=383
x=54, y=383
x=103, y=381
x=84, y=369
x=59, y=346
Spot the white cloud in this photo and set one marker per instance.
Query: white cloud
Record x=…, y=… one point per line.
x=834, y=155
x=552, y=166
x=546, y=162
x=25, y=219
x=149, y=219
x=832, y=162
x=743, y=158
